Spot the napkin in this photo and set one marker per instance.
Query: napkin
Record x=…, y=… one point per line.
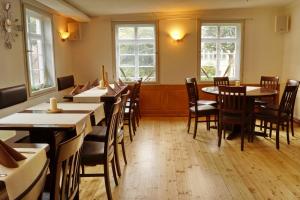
x=116, y=86
x=9, y=156
x=110, y=91
x=121, y=83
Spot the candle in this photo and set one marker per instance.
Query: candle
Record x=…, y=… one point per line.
x=237, y=83
x=102, y=73
x=53, y=103
x=101, y=84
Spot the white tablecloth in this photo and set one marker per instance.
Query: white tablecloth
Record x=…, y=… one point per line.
x=47, y=120
x=17, y=180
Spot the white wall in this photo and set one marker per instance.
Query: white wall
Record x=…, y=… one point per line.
x=291, y=50
x=13, y=64
x=262, y=46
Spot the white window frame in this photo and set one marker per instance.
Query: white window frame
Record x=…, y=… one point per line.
x=238, y=59
x=48, y=52
x=116, y=56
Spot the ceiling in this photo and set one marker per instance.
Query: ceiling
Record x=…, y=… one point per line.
x=108, y=7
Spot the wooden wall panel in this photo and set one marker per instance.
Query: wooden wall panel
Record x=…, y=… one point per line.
x=166, y=100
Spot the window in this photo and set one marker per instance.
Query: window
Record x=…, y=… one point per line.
x=136, y=52
x=220, y=50
x=39, y=43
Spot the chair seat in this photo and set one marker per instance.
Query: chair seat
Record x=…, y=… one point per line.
x=271, y=107
x=98, y=134
x=234, y=118
x=260, y=102
x=270, y=115
x=206, y=102
x=93, y=153
x=204, y=108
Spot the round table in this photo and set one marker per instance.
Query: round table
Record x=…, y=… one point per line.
x=252, y=92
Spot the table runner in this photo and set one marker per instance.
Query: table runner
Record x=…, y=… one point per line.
x=97, y=108
x=92, y=95
x=17, y=180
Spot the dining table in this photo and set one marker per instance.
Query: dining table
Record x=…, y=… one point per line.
x=98, y=94
x=252, y=93
x=29, y=170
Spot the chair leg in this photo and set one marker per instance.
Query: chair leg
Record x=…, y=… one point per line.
x=82, y=169
x=195, y=126
x=242, y=137
x=133, y=122
x=117, y=159
x=189, y=122
x=113, y=168
x=107, y=181
x=288, y=131
x=271, y=128
x=207, y=123
x=137, y=119
x=261, y=124
x=219, y=134
x=123, y=151
x=130, y=128
x=277, y=135
x=292, y=125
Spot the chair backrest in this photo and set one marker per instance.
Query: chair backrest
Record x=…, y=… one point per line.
x=232, y=100
x=112, y=127
x=271, y=82
x=122, y=109
x=36, y=189
x=192, y=91
x=67, y=164
x=221, y=81
x=288, y=99
x=133, y=94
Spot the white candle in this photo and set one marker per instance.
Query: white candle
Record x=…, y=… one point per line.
x=237, y=83
x=53, y=103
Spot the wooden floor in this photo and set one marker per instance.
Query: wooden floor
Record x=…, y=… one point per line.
x=164, y=162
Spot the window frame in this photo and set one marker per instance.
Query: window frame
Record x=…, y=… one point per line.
x=44, y=91
x=199, y=40
x=114, y=24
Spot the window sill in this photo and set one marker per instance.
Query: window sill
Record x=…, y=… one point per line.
x=42, y=92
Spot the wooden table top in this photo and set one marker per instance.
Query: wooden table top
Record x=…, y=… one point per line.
x=252, y=91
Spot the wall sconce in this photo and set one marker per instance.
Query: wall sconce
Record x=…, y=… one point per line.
x=177, y=35
x=64, y=35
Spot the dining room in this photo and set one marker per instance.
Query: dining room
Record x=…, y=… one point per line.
x=149, y=99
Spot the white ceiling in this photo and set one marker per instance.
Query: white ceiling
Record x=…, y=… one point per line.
x=106, y=7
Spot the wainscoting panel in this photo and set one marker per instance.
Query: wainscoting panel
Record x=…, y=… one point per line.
x=166, y=100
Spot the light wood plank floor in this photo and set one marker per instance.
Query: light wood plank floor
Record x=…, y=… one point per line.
x=164, y=162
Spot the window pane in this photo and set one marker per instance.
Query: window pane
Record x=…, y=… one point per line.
x=145, y=32
x=208, y=60
x=127, y=61
x=227, y=32
x=126, y=33
x=126, y=48
x=146, y=48
x=227, y=59
x=147, y=72
x=34, y=25
x=209, y=32
x=146, y=61
x=127, y=73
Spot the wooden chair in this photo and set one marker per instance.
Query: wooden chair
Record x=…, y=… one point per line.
x=221, y=81
x=282, y=116
x=130, y=111
x=196, y=111
x=200, y=101
x=271, y=82
x=102, y=153
x=276, y=107
x=35, y=190
x=99, y=133
x=232, y=110
x=65, y=183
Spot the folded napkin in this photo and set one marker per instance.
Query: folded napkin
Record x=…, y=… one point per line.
x=9, y=156
x=121, y=83
x=110, y=90
x=116, y=87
